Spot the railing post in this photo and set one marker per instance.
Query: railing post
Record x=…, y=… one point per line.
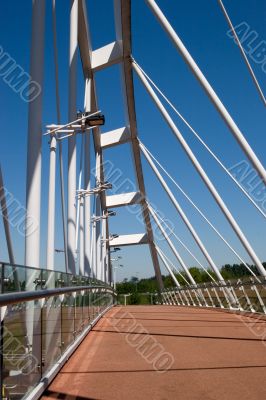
x=235, y=296
x=176, y=299
x=166, y=298
x=241, y=287
x=191, y=299
x=201, y=294
x=254, y=287
x=180, y=297
x=217, y=296
x=169, y=297
x=183, y=292
x=209, y=295
x=223, y=289
x=197, y=297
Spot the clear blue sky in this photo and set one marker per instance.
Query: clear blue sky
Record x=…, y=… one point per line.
x=202, y=27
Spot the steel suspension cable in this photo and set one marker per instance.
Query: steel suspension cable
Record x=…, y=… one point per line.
x=201, y=140
x=61, y=163
x=196, y=292
x=199, y=211
x=169, y=269
x=180, y=241
x=196, y=71
x=250, y=69
x=174, y=267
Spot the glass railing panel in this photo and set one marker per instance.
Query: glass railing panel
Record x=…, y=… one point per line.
x=51, y=279
x=13, y=278
x=21, y=341
x=75, y=280
x=35, y=334
x=92, y=305
x=51, y=332
x=90, y=296
x=96, y=303
x=65, y=279
x=86, y=308
x=78, y=313
x=68, y=320
x=18, y=278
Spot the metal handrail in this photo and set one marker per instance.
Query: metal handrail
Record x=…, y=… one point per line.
x=220, y=284
x=225, y=295
x=19, y=297
x=26, y=267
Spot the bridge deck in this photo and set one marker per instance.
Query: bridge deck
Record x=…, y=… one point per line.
x=216, y=355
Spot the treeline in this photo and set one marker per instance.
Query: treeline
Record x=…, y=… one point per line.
x=228, y=271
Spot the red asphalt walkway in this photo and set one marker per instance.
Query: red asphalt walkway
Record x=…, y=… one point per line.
x=201, y=354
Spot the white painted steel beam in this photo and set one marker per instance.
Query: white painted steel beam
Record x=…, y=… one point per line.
x=81, y=257
x=124, y=199
x=58, y=112
x=123, y=35
x=87, y=186
x=106, y=56
x=129, y=240
x=86, y=55
x=98, y=213
x=115, y=137
x=33, y=188
x=105, y=277
x=51, y=206
x=34, y=157
x=72, y=156
x=94, y=252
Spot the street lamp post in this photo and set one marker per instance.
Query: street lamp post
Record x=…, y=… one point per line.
x=137, y=280
x=125, y=298
x=114, y=269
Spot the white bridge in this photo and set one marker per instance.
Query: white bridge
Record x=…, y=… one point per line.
x=45, y=313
